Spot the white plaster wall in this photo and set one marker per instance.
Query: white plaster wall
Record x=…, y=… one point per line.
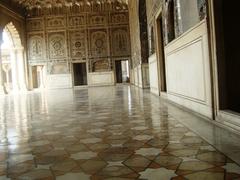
x=139, y=71
x=136, y=78
x=56, y=81
x=153, y=74
x=188, y=70
x=101, y=79
x=132, y=79
x=145, y=76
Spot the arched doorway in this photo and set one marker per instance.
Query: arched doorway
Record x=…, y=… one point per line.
x=13, y=71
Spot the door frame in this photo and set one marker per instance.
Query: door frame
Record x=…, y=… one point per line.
x=229, y=118
x=114, y=67
x=162, y=74
x=73, y=76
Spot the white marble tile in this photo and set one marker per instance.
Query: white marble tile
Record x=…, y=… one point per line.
x=161, y=173
x=83, y=155
x=73, y=176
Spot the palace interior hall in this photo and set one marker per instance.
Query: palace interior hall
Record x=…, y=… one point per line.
x=119, y=90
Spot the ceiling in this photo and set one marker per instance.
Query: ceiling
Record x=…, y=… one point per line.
x=48, y=4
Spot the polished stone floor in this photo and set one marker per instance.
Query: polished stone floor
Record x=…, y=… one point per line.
x=109, y=133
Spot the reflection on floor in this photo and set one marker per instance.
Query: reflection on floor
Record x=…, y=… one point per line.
x=104, y=133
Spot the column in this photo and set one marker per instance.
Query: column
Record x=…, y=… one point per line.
x=1, y=81
x=14, y=70
x=20, y=69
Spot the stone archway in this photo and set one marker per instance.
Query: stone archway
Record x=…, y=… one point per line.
x=12, y=60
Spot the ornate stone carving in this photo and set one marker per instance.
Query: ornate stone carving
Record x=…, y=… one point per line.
x=35, y=24
x=57, y=45
x=98, y=43
x=78, y=44
x=55, y=22
x=101, y=65
x=88, y=39
x=36, y=47
x=120, y=42
x=119, y=18
x=98, y=19
x=58, y=68
x=76, y=21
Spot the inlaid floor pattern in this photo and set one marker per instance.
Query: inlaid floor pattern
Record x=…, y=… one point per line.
x=113, y=133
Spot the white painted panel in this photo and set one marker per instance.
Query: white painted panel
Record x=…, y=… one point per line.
x=100, y=79
x=136, y=78
x=139, y=69
x=185, y=72
x=59, y=81
x=188, y=70
x=153, y=74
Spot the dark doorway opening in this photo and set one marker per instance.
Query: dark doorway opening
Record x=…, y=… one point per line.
x=37, y=76
x=227, y=55
x=162, y=64
x=80, y=74
x=122, y=71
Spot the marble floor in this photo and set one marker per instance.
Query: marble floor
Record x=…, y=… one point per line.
x=114, y=133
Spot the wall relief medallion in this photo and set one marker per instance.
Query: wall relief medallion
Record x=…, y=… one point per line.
x=57, y=46
x=78, y=44
x=99, y=43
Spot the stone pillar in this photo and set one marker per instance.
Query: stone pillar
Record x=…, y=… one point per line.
x=20, y=69
x=14, y=70
x=1, y=80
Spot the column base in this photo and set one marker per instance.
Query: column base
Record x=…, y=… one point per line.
x=2, y=90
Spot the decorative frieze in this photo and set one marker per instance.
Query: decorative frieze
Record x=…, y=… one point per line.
x=119, y=18
x=76, y=21
x=55, y=22
x=35, y=24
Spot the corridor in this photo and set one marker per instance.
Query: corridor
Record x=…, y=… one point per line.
x=118, y=133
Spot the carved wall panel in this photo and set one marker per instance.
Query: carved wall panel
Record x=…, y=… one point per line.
x=99, y=43
x=57, y=45
x=79, y=37
x=58, y=68
x=120, y=42
x=76, y=21
x=119, y=18
x=101, y=65
x=35, y=24
x=55, y=22
x=36, y=47
x=77, y=44
x=97, y=19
